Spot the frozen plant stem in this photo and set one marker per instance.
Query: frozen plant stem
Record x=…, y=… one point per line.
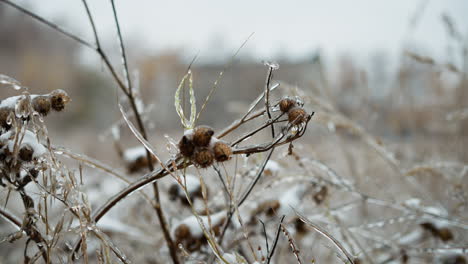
x=126, y=89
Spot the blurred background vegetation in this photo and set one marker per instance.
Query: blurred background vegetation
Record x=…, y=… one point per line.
x=417, y=99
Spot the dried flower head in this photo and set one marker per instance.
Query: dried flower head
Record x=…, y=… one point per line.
x=300, y=226
x=58, y=99
x=173, y=192
x=321, y=195
x=445, y=234
x=222, y=151
x=41, y=104
x=203, y=157
x=26, y=153
x=4, y=114
x=297, y=115
x=140, y=163
x=186, y=146
x=202, y=136
x=286, y=104
x=182, y=232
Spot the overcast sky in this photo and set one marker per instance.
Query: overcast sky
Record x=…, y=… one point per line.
x=292, y=28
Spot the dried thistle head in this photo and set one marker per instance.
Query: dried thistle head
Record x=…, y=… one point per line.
x=41, y=104
x=186, y=146
x=58, y=99
x=297, y=115
x=182, y=232
x=203, y=157
x=222, y=151
x=445, y=234
x=26, y=153
x=4, y=114
x=321, y=195
x=202, y=136
x=300, y=226
x=173, y=192
x=286, y=104
x=140, y=163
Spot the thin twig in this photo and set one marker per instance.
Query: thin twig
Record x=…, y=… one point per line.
x=275, y=241
x=50, y=24
x=122, y=48
x=327, y=235
x=267, y=97
x=10, y=218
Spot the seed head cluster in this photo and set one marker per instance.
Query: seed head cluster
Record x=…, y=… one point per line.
x=296, y=114
x=203, y=148
x=42, y=104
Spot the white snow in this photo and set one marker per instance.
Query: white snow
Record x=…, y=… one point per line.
x=189, y=134
x=131, y=154
x=412, y=202
x=213, y=141
x=10, y=102
x=292, y=198
x=411, y=238
x=234, y=258
x=193, y=183
x=272, y=166
x=195, y=230
x=29, y=139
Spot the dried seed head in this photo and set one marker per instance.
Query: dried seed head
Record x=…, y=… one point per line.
x=41, y=104
x=173, y=192
x=217, y=228
x=321, y=195
x=286, y=104
x=222, y=151
x=186, y=146
x=26, y=153
x=445, y=234
x=202, y=136
x=182, y=232
x=297, y=115
x=300, y=226
x=269, y=207
x=58, y=99
x=4, y=114
x=203, y=157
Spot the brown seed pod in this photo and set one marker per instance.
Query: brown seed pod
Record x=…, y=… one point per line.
x=26, y=153
x=173, y=192
x=59, y=99
x=203, y=157
x=41, y=104
x=297, y=115
x=4, y=114
x=445, y=234
x=186, y=146
x=202, y=136
x=321, y=195
x=268, y=207
x=222, y=151
x=286, y=104
x=300, y=226
x=182, y=232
